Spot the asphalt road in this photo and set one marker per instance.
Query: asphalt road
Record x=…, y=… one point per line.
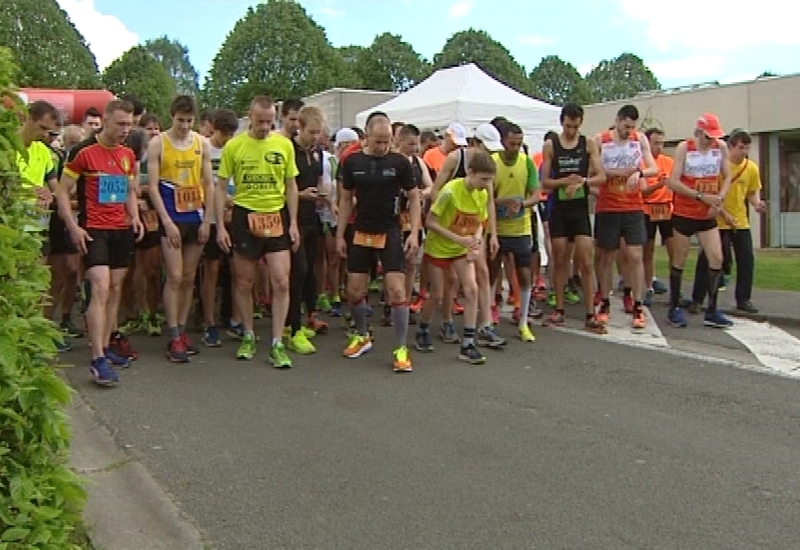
x=567, y=443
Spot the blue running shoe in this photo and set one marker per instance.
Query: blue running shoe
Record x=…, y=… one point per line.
x=211, y=337
x=717, y=319
x=102, y=374
x=116, y=360
x=676, y=317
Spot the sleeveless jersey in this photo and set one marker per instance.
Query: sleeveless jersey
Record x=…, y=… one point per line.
x=511, y=182
x=216, y=155
x=565, y=163
x=614, y=196
x=701, y=172
x=181, y=169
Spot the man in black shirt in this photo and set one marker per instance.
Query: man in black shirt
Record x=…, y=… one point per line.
x=375, y=177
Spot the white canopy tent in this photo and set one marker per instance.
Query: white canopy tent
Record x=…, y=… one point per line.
x=471, y=97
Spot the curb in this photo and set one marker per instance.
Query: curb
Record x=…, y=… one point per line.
x=126, y=509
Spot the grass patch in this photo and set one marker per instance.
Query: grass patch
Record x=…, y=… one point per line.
x=775, y=269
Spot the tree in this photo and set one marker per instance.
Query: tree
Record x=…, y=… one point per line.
x=473, y=46
x=275, y=49
x=137, y=72
x=557, y=81
x=47, y=46
x=766, y=74
x=391, y=65
x=621, y=78
x=350, y=76
x=174, y=57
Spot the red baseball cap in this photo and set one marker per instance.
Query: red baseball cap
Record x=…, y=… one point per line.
x=709, y=123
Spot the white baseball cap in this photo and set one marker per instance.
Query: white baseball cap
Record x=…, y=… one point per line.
x=344, y=135
x=458, y=134
x=489, y=136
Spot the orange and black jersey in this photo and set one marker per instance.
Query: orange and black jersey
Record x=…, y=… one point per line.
x=105, y=178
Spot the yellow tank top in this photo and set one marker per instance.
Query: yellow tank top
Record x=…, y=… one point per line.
x=511, y=182
x=181, y=168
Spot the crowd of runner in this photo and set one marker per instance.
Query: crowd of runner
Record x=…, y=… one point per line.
x=282, y=219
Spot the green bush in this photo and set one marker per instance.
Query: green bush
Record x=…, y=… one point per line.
x=41, y=499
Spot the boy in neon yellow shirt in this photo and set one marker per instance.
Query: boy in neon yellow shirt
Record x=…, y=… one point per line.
x=456, y=223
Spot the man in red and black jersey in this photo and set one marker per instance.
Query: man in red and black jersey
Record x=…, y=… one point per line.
x=104, y=172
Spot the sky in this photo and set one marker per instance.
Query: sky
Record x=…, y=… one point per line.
x=730, y=42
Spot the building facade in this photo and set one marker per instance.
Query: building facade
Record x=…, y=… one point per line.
x=766, y=108
x=341, y=105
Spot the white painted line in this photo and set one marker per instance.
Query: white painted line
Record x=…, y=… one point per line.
x=619, y=328
x=774, y=348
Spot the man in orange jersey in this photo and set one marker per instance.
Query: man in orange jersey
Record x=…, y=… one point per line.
x=700, y=180
x=455, y=137
x=657, y=213
x=619, y=210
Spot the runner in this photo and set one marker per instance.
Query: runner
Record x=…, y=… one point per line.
x=618, y=212
x=103, y=170
x=455, y=137
x=657, y=213
x=456, y=223
x=566, y=164
x=224, y=126
x=701, y=162
x=302, y=284
x=263, y=221
x=179, y=182
x=375, y=177
x=516, y=191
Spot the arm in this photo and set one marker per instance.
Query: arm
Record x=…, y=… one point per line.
x=220, y=201
x=724, y=171
x=153, y=173
x=292, y=198
x=598, y=176
x=207, y=173
x=443, y=176
x=754, y=192
x=63, y=190
x=650, y=168
x=427, y=183
x=345, y=209
x=415, y=209
x=531, y=189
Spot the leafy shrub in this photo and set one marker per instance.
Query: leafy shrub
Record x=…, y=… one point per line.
x=41, y=499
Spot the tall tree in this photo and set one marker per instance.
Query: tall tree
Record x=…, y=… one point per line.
x=174, y=57
x=350, y=76
x=137, y=72
x=275, y=49
x=621, y=78
x=474, y=46
x=50, y=51
x=557, y=81
x=391, y=64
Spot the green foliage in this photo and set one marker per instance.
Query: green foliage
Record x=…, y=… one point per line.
x=391, y=65
x=275, y=49
x=621, y=78
x=174, y=57
x=40, y=498
x=473, y=46
x=137, y=72
x=351, y=76
x=558, y=82
x=48, y=48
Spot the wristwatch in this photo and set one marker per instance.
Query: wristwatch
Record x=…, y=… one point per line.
x=698, y=196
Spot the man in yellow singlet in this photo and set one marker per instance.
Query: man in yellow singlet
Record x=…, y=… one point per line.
x=262, y=164
x=180, y=183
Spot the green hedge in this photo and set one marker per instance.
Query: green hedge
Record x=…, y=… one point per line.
x=41, y=499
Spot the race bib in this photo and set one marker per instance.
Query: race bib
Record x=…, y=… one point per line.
x=509, y=209
x=707, y=187
x=112, y=189
x=617, y=184
x=580, y=193
x=188, y=199
x=405, y=221
x=265, y=225
x=377, y=241
x=660, y=212
x=150, y=220
x=464, y=224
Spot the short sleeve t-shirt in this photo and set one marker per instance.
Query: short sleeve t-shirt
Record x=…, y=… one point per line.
x=461, y=211
x=259, y=169
x=377, y=183
x=105, y=176
x=39, y=167
x=746, y=180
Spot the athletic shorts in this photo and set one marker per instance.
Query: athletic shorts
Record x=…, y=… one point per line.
x=544, y=211
x=519, y=247
x=570, y=223
x=441, y=263
x=109, y=247
x=690, y=226
x=251, y=247
x=211, y=250
x=610, y=227
x=60, y=241
x=189, y=231
x=534, y=235
x=664, y=227
x=360, y=259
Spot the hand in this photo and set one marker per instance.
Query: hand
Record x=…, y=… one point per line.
x=44, y=197
x=573, y=188
x=203, y=233
x=663, y=181
x=728, y=218
x=223, y=239
x=469, y=242
x=138, y=228
x=574, y=179
x=761, y=207
x=633, y=181
x=341, y=247
x=309, y=193
x=494, y=246
x=712, y=200
x=79, y=238
x=411, y=245
x=294, y=236
x=172, y=233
